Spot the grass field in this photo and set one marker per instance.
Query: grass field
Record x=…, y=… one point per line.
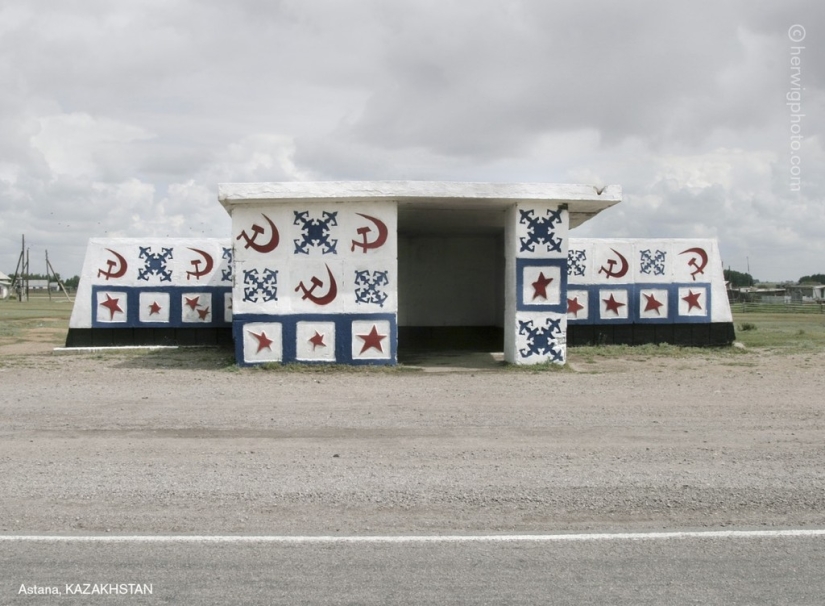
x=44, y=321
x=37, y=319
x=781, y=331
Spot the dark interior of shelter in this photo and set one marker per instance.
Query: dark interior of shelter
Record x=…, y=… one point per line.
x=450, y=281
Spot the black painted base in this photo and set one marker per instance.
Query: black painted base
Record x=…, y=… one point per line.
x=477, y=338
x=716, y=334
x=119, y=337
x=450, y=338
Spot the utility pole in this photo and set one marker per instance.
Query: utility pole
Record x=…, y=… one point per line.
x=51, y=272
x=20, y=274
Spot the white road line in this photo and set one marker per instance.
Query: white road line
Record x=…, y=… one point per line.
x=494, y=538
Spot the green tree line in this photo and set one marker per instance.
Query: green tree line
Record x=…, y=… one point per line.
x=738, y=279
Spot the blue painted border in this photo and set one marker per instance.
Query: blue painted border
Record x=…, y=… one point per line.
x=634, y=315
x=175, y=307
x=521, y=304
x=343, y=336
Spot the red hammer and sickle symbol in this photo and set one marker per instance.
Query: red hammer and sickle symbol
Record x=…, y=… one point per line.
x=257, y=230
x=608, y=271
x=332, y=292
x=111, y=273
x=210, y=263
x=699, y=268
x=380, y=239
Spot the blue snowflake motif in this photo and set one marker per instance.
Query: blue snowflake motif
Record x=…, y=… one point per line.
x=226, y=274
x=575, y=262
x=370, y=283
x=155, y=264
x=540, y=230
x=315, y=233
x=653, y=263
x=257, y=287
x=542, y=340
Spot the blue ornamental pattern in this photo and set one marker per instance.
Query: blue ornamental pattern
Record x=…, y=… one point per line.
x=368, y=287
x=315, y=233
x=576, y=262
x=542, y=340
x=540, y=231
x=652, y=262
x=155, y=264
x=259, y=286
x=226, y=274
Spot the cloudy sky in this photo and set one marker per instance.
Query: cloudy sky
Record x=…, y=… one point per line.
x=120, y=118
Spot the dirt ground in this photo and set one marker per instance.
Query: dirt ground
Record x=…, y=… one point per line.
x=183, y=441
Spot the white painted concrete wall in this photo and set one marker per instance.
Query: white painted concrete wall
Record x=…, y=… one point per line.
x=119, y=267
x=315, y=281
x=694, y=265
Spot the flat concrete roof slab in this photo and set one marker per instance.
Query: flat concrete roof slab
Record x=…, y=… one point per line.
x=583, y=201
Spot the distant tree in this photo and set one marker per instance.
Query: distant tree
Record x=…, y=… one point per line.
x=72, y=282
x=814, y=279
x=738, y=279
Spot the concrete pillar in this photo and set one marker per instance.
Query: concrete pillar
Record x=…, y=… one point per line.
x=535, y=304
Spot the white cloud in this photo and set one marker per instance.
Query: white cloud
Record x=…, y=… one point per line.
x=123, y=117
x=78, y=145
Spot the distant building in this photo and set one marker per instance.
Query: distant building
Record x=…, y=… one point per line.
x=43, y=285
x=806, y=293
x=754, y=294
x=5, y=286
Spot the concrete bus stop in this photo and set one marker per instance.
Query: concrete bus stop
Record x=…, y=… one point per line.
x=351, y=265
x=351, y=272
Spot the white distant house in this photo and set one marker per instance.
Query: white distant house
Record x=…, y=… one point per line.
x=5, y=286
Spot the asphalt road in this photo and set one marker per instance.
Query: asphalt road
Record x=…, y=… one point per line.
x=616, y=571
x=182, y=444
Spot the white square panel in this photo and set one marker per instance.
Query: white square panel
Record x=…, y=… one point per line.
x=262, y=342
x=614, y=304
x=371, y=340
x=541, y=285
x=540, y=337
x=541, y=230
x=111, y=306
x=653, y=303
x=315, y=341
x=196, y=307
x=693, y=301
x=154, y=307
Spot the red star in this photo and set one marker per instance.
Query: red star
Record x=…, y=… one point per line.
x=193, y=302
x=154, y=308
x=693, y=300
x=372, y=340
x=613, y=305
x=317, y=340
x=203, y=313
x=112, y=305
x=264, y=342
x=652, y=304
x=574, y=307
x=540, y=286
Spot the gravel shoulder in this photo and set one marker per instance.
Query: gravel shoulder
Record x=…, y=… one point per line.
x=184, y=442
